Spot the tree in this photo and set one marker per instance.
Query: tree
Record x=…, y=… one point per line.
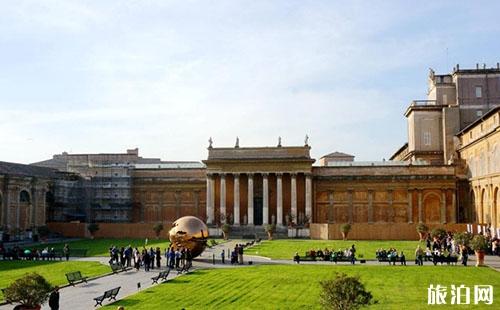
x=463, y=239
x=438, y=233
x=92, y=228
x=344, y=293
x=270, y=229
x=422, y=230
x=345, y=229
x=226, y=228
x=31, y=290
x=157, y=229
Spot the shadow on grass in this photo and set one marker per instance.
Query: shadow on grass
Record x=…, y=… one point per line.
x=9, y=265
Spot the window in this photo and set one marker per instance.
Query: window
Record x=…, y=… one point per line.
x=479, y=113
x=479, y=92
x=427, y=138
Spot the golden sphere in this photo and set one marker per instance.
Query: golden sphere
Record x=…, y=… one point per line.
x=189, y=232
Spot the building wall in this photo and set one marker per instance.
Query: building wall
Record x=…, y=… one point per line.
x=481, y=154
x=23, y=201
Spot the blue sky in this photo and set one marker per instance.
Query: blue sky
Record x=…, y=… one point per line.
x=164, y=76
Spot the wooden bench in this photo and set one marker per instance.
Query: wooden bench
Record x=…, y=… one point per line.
x=185, y=268
x=161, y=276
x=74, y=277
x=117, y=267
x=445, y=259
x=109, y=294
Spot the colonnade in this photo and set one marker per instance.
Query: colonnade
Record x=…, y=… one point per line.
x=250, y=195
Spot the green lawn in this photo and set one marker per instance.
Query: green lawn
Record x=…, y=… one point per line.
x=285, y=249
x=296, y=287
x=100, y=247
x=54, y=272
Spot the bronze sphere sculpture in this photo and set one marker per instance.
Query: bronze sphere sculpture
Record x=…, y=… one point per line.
x=189, y=232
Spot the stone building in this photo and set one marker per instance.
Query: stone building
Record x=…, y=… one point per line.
x=26, y=192
x=479, y=150
x=446, y=173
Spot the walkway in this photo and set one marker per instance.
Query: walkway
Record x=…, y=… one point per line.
x=81, y=296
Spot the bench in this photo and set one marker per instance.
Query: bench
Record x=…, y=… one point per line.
x=445, y=259
x=161, y=276
x=74, y=277
x=117, y=267
x=185, y=268
x=382, y=259
x=109, y=294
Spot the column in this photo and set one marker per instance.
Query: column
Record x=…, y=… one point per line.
x=222, y=198
x=330, y=208
x=265, y=199
x=350, y=205
x=453, y=207
x=33, y=205
x=309, y=197
x=143, y=207
x=250, y=199
x=177, y=204
x=196, y=195
x=390, y=200
x=279, y=199
x=370, y=206
x=210, y=199
x=18, y=208
x=236, y=190
x=443, y=206
x=409, y=207
x=420, y=214
x=293, y=190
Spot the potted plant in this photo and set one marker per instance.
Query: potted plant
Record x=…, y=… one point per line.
x=345, y=229
x=31, y=291
x=462, y=239
x=479, y=244
x=92, y=228
x=422, y=230
x=438, y=233
x=225, y=230
x=43, y=232
x=270, y=229
x=157, y=229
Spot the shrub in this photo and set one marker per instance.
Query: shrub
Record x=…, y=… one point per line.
x=43, y=231
x=226, y=228
x=344, y=293
x=439, y=233
x=30, y=290
x=157, y=229
x=479, y=243
x=270, y=228
x=463, y=238
x=422, y=228
x=345, y=228
x=92, y=228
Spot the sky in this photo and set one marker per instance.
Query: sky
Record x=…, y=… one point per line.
x=164, y=76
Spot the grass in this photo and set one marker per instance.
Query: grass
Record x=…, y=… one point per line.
x=54, y=272
x=285, y=249
x=100, y=247
x=297, y=287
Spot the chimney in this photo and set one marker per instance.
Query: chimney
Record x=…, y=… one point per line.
x=477, y=66
x=484, y=66
x=458, y=67
x=498, y=65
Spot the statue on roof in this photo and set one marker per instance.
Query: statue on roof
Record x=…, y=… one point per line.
x=210, y=142
x=306, y=141
x=237, y=144
x=279, y=141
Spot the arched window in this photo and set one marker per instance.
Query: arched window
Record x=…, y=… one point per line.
x=24, y=197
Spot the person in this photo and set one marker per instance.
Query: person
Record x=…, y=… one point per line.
x=147, y=260
x=418, y=254
x=66, y=251
x=296, y=258
x=158, y=257
x=402, y=258
x=353, y=255
x=465, y=256
x=240, y=254
x=54, y=299
x=222, y=256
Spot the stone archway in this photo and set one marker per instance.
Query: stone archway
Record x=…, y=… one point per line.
x=432, y=208
x=482, y=208
x=495, y=220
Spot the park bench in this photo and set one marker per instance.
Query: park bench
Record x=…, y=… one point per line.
x=74, y=277
x=117, y=267
x=445, y=259
x=109, y=294
x=185, y=267
x=161, y=276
